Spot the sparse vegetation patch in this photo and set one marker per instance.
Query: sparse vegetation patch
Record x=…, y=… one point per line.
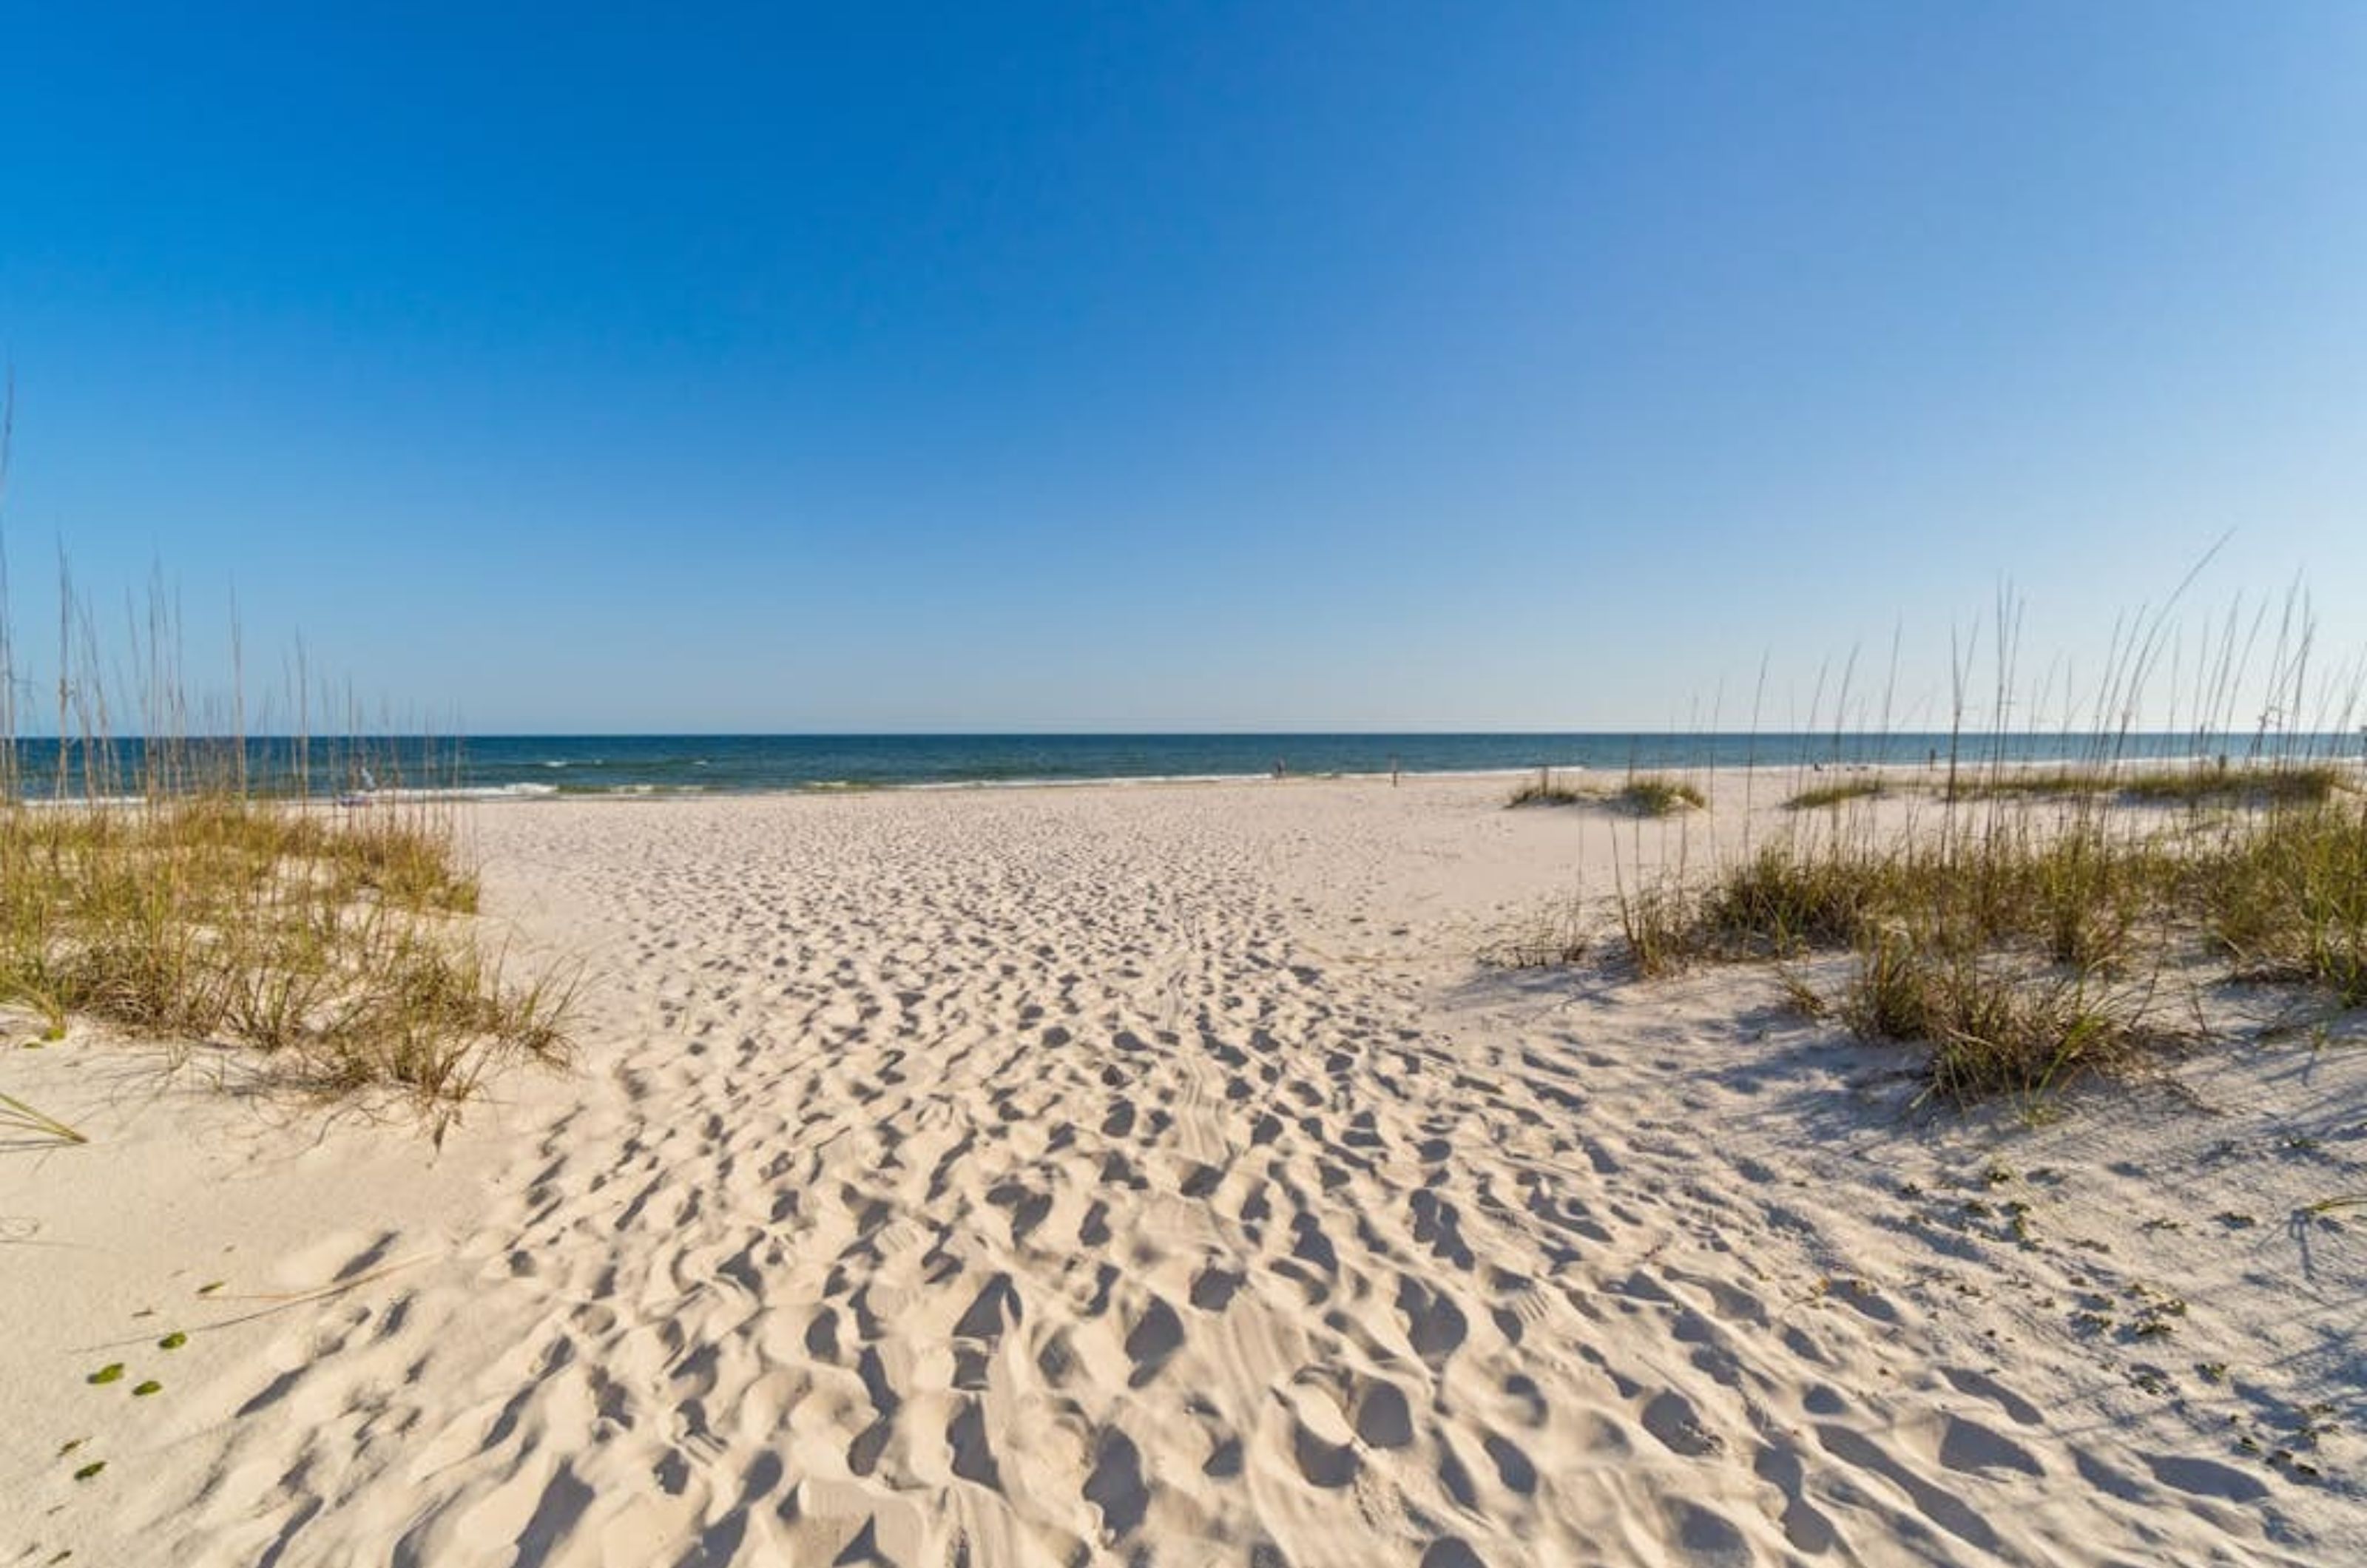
x=151, y=886
x=1835, y=794
x=2020, y=922
x=1542, y=791
x=337, y=943
x=1654, y=795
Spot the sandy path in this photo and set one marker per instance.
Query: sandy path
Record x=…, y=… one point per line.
x=1148, y=1176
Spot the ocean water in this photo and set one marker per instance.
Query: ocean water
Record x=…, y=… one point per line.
x=656, y=764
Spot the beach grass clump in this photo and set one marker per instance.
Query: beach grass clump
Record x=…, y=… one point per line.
x=1998, y=940
x=1656, y=794
x=1548, y=790
x=1836, y=794
x=1962, y=955
x=2080, y=896
x=1545, y=792
x=2008, y=938
x=2019, y=918
x=2288, y=784
x=2012, y=783
x=1659, y=927
x=1990, y=1031
x=2285, y=898
x=1784, y=900
x=2301, y=785
x=335, y=940
x=171, y=884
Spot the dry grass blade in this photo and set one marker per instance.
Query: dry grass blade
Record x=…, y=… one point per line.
x=16, y=1113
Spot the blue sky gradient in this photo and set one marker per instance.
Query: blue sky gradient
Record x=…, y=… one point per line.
x=1200, y=367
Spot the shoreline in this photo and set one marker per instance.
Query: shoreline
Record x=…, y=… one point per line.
x=497, y=768
x=521, y=794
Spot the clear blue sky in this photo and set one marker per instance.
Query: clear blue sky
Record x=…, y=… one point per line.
x=1213, y=365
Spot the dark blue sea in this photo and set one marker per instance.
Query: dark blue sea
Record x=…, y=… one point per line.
x=656, y=764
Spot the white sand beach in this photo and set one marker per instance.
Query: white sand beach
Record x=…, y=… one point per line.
x=1153, y=1176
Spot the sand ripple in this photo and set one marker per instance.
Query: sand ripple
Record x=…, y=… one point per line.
x=1145, y=1176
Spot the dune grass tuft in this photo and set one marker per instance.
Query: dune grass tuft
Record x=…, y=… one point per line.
x=2303, y=785
x=152, y=885
x=336, y=942
x=2025, y=784
x=1836, y=794
x=1989, y=1029
x=1998, y=940
x=1646, y=795
x=2280, y=786
x=1540, y=794
x=2020, y=921
x=2288, y=900
x=1654, y=795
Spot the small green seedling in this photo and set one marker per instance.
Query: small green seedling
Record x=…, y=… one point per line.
x=210, y=1286
x=111, y=1373
x=143, y=1390
x=173, y=1341
x=93, y=1467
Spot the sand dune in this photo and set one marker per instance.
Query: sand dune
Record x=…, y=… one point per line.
x=1150, y=1175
